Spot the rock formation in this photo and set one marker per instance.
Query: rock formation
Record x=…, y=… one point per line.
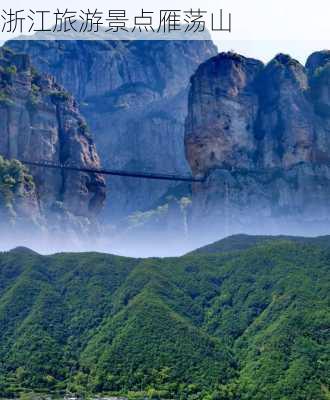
x=40, y=121
x=261, y=135
x=222, y=110
x=134, y=97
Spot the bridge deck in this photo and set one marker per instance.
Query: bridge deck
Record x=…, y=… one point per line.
x=114, y=172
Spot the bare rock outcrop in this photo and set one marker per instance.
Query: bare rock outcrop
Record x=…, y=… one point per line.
x=40, y=121
x=223, y=108
x=261, y=135
x=133, y=95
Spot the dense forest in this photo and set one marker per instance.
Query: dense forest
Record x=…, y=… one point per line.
x=244, y=318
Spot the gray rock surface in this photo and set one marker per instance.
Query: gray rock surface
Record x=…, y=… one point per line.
x=134, y=97
x=261, y=134
x=40, y=121
x=223, y=109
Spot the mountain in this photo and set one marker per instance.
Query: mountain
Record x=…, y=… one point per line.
x=133, y=95
x=243, y=242
x=252, y=323
x=39, y=120
x=261, y=135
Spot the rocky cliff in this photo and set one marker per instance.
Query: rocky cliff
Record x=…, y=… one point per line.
x=40, y=121
x=134, y=97
x=261, y=134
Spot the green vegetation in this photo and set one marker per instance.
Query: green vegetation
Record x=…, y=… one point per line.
x=35, y=95
x=14, y=181
x=59, y=96
x=10, y=70
x=244, y=242
x=33, y=101
x=159, y=215
x=7, y=74
x=251, y=322
x=5, y=99
x=141, y=218
x=83, y=127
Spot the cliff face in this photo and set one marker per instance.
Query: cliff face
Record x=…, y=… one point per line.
x=134, y=97
x=261, y=134
x=285, y=127
x=222, y=113
x=40, y=121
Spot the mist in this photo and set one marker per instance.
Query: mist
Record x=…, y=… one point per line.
x=148, y=242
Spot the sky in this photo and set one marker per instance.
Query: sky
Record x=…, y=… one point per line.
x=260, y=29
x=265, y=50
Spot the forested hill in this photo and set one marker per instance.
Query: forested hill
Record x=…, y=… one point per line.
x=246, y=324
x=244, y=242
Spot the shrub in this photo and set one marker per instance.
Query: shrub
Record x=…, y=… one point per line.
x=5, y=99
x=14, y=181
x=59, y=96
x=10, y=70
x=83, y=127
x=32, y=101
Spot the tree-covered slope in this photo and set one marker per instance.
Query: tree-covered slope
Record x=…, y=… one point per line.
x=244, y=242
x=246, y=324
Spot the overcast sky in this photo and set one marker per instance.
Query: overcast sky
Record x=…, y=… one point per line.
x=260, y=28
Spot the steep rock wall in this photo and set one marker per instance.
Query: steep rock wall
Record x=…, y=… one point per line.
x=40, y=121
x=134, y=97
x=273, y=177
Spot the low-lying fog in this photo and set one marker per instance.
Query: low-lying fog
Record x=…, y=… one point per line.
x=140, y=244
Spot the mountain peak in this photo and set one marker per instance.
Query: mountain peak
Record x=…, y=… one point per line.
x=285, y=59
x=317, y=59
x=23, y=250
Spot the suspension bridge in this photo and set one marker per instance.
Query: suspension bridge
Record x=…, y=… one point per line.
x=114, y=172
